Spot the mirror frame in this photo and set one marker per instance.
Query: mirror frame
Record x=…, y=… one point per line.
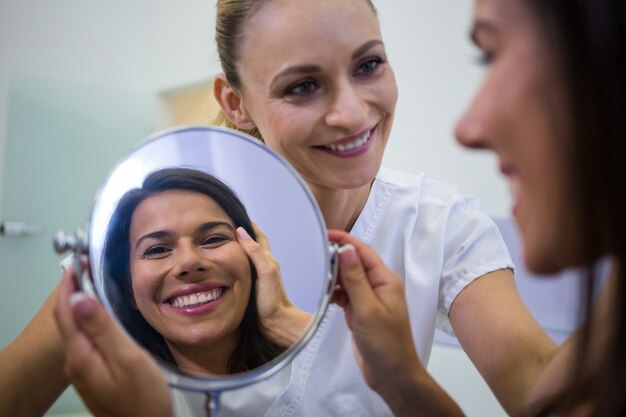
x=215, y=384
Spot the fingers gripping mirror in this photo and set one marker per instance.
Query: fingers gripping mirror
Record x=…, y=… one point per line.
x=210, y=251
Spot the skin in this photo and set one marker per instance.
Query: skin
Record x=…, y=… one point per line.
x=172, y=253
x=375, y=307
x=27, y=361
x=333, y=93
x=114, y=377
x=273, y=305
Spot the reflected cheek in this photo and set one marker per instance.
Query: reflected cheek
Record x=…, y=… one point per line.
x=144, y=289
x=243, y=285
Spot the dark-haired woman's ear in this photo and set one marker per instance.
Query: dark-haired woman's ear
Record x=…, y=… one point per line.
x=231, y=103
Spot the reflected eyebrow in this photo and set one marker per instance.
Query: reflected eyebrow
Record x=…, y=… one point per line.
x=162, y=234
x=311, y=69
x=159, y=234
x=212, y=225
x=480, y=26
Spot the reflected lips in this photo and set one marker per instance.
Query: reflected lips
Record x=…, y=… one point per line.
x=196, y=299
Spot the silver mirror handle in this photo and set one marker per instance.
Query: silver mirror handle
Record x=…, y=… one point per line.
x=79, y=246
x=212, y=404
x=333, y=251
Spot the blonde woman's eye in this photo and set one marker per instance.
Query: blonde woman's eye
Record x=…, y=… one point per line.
x=369, y=66
x=214, y=240
x=302, y=88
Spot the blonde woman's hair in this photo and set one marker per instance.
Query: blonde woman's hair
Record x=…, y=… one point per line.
x=230, y=18
x=222, y=120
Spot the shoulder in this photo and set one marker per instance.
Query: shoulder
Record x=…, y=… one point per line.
x=421, y=190
x=418, y=209
x=425, y=208
x=399, y=179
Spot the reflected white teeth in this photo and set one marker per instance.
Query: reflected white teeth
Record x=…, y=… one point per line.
x=350, y=145
x=194, y=300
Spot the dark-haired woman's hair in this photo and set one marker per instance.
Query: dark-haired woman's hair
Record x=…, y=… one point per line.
x=252, y=349
x=588, y=40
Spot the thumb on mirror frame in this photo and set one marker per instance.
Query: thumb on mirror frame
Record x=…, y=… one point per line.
x=374, y=268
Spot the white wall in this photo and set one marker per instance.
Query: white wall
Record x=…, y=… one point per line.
x=139, y=45
x=428, y=44
x=153, y=45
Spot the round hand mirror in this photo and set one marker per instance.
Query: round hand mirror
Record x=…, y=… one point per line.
x=169, y=260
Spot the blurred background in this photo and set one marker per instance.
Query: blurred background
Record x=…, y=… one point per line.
x=84, y=81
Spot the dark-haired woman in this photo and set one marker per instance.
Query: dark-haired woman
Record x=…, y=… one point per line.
x=183, y=286
x=551, y=107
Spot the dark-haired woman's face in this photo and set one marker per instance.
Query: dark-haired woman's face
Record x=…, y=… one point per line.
x=519, y=113
x=190, y=277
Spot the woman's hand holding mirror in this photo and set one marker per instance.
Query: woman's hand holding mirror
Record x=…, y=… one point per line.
x=183, y=286
x=373, y=299
x=113, y=375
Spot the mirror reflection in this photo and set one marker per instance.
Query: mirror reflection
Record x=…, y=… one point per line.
x=179, y=279
x=214, y=271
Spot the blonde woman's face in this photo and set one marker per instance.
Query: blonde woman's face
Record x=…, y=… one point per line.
x=519, y=113
x=317, y=84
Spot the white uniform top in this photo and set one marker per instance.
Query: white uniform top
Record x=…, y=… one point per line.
x=428, y=233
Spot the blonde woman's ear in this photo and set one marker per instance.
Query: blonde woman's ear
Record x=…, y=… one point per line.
x=230, y=102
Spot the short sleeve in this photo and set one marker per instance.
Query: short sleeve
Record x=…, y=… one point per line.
x=473, y=246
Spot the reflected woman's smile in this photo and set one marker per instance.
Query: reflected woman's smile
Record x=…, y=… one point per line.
x=184, y=285
x=190, y=277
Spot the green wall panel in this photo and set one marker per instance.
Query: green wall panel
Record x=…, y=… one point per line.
x=62, y=140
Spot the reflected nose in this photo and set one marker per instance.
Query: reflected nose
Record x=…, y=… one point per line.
x=347, y=109
x=189, y=261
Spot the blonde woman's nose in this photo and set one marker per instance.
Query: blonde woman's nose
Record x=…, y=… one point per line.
x=347, y=108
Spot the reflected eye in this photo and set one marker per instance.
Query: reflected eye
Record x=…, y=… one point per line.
x=302, y=88
x=369, y=66
x=214, y=240
x=157, y=251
